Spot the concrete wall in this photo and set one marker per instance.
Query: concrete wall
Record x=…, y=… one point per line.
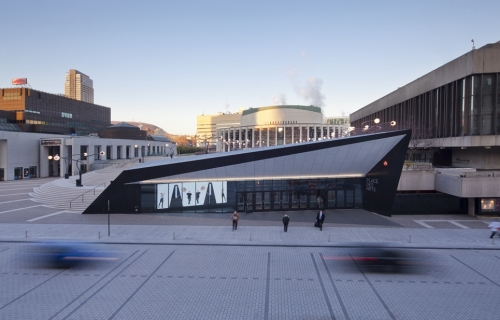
x=476, y=157
x=264, y=117
x=416, y=180
x=23, y=149
x=468, y=187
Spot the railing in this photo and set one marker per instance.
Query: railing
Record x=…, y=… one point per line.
x=104, y=184
x=124, y=162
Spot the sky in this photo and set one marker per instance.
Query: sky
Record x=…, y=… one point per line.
x=166, y=62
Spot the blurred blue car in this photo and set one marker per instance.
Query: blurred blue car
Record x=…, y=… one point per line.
x=57, y=254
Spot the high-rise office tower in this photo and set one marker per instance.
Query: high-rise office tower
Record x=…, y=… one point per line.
x=79, y=86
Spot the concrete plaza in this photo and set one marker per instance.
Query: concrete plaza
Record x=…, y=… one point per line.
x=193, y=266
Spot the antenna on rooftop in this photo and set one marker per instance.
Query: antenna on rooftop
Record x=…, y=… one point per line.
x=473, y=44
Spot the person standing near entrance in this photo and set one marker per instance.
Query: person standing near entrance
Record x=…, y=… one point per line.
x=320, y=218
x=319, y=201
x=235, y=217
x=286, y=220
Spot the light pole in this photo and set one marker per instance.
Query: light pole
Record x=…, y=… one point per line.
x=78, y=163
x=367, y=127
x=170, y=148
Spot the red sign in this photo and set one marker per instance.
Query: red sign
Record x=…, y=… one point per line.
x=19, y=81
x=386, y=163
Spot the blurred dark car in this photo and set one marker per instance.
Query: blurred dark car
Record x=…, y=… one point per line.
x=66, y=254
x=383, y=259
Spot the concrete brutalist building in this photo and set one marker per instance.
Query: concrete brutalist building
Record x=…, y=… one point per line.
x=454, y=112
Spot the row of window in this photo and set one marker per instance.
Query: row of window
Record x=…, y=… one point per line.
x=468, y=106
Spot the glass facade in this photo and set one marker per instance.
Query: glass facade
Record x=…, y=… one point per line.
x=37, y=111
x=465, y=107
x=252, y=195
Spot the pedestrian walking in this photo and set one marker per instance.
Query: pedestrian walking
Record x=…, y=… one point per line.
x=495, y=228
x=235, y=217
x=320, y=218
x=286, y=220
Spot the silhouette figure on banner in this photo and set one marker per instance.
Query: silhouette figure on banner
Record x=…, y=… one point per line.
x=197, y=196
x=223, y=195
x=210, y=195
x=189, y=194
x=176, y=199
x=161, y=200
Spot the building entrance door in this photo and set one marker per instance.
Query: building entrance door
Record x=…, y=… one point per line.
x=240, y=201
x=341, y=198
x=285, y=200
x=250, y=203
x=267, y=200
x=349, y=198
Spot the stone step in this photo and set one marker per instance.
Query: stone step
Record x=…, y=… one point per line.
x=60, y=192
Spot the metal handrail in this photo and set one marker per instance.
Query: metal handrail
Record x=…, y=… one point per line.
x=86, y=193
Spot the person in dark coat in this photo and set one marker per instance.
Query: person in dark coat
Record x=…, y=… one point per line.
x=320, y=218
x=286, y=220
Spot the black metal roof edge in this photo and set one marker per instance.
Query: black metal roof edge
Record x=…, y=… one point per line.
x=230, y=158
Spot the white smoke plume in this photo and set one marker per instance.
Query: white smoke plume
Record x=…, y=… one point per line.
x=311, y=92
x=279, y=99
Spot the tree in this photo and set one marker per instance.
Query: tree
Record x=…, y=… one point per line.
x=421, y=138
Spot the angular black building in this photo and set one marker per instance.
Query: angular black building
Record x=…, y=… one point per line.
x=352, y=172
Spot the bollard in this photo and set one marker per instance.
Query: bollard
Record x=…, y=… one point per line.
x=410, y=239
x=99, y=235
x=328, y=238
x=173, y=238
x=26, y=234
x=250, y=237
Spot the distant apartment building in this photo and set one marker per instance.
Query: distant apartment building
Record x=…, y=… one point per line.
x=207, y=125
x=79, y=86
x=341, y=125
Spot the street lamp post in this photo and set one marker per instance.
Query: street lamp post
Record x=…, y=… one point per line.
x=367, y=127
x=170, y=148
x=78, y=163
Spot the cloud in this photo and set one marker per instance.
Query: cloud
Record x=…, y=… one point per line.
x=279, y=99
x=311, y=92
x=303, y=54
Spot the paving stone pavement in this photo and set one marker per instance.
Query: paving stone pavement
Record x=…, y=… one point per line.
x=235, y=282
x=252, y=235
x=196, y=267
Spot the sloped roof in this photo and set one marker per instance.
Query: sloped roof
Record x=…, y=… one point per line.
x=159, y=138
x=123, y=125
x=9, y=126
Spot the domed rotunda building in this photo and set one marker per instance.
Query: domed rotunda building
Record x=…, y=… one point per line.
x=277, y=125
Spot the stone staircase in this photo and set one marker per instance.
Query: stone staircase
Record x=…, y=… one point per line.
x=63, y=193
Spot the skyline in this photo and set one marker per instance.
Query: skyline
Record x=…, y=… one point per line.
x=204, y=58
